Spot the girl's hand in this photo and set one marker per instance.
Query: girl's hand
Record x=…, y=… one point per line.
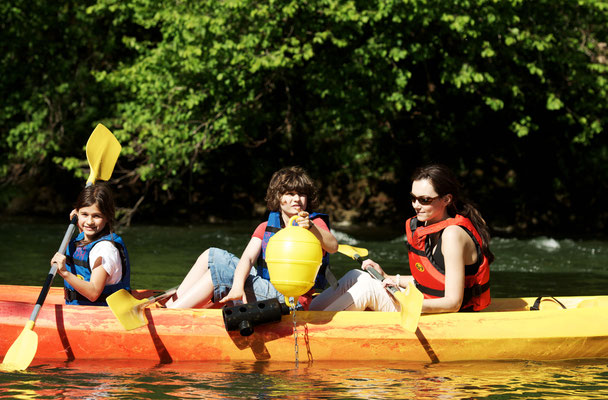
x=234, y=295
x=59, y=259
x=303, y=220
x=72, y=215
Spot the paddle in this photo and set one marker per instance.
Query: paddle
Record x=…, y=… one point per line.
x=130, y=311
x=410, y=300
x=102, y=152
x=352, y=252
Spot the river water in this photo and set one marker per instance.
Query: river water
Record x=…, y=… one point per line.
x=162, y=255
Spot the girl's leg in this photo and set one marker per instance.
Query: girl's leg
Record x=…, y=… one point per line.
x=199, y=293
x=258, y=288
x=196, y=273
x=210, y=276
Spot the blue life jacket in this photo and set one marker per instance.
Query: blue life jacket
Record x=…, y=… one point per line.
x=78, y=263
x=272, y=227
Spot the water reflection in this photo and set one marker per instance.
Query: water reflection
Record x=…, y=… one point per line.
x=328, y=380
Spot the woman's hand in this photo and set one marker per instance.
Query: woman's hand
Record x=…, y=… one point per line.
x=372, y=264
x=390, y=281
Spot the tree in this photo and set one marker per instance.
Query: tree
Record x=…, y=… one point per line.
x=208, y=98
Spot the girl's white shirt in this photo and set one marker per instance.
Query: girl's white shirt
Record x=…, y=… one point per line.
x=110, y=260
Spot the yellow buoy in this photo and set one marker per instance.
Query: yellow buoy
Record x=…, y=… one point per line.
x=293, y=256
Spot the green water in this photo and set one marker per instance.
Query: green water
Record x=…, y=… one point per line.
x=161, y=256
x=568, y=380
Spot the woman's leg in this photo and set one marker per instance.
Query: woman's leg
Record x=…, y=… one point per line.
x=331, y=295
x=359, y=292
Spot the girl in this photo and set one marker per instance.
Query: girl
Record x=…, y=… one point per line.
x=96, y=263
x=448, y=250
x=219, y=276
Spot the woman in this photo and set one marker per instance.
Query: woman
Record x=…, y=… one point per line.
x=448, y=249
x=219, y=276
x=96, y=263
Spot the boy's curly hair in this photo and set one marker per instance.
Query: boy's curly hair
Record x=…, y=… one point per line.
x=291, y=179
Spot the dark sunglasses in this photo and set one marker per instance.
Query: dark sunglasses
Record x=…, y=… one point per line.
x=424, y=200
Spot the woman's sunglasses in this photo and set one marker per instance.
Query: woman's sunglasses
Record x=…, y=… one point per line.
x=424, y=200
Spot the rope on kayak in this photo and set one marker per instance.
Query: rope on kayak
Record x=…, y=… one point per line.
x=536, y=305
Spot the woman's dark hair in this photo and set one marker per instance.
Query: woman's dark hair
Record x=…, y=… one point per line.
x=291, y=179
x=444, y=182
x=100, y=194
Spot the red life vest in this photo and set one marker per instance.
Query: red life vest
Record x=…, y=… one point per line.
x=429, y=276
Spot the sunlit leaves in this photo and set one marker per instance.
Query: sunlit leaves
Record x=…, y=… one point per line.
x=553, y=102
x=182, y=80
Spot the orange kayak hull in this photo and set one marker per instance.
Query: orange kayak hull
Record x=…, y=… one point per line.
x=507, y=330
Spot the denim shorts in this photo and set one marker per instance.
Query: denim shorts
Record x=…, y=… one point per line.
x=222, y=265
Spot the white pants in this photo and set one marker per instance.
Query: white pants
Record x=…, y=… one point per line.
x=356, y=291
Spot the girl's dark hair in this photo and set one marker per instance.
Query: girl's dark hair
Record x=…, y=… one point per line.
x=444, y=182
x=291, y=179
x=100, y=194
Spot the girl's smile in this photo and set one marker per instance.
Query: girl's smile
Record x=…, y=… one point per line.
x=91, y=221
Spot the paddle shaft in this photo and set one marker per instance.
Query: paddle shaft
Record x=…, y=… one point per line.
x=372, y=271
x=164, y=295
x=53, y=271
x=102, y=152
x=49, y=278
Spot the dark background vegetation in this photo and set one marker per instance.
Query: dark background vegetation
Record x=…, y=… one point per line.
x=208, y=98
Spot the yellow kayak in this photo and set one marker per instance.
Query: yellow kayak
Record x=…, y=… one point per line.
x=561, y=328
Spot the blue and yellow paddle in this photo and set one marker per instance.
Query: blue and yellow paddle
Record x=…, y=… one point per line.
x=102, y=152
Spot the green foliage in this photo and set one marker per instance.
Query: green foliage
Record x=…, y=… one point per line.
x=198, y=91
x=50, y=100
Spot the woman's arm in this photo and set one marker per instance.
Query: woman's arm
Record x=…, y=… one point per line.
x=247, y=260
x=458, y=250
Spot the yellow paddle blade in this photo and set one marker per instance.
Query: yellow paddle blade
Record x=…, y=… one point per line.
x=102, y=152
x=127, y=309
x=411, y=306
x=20, y=355
x=352, y=251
